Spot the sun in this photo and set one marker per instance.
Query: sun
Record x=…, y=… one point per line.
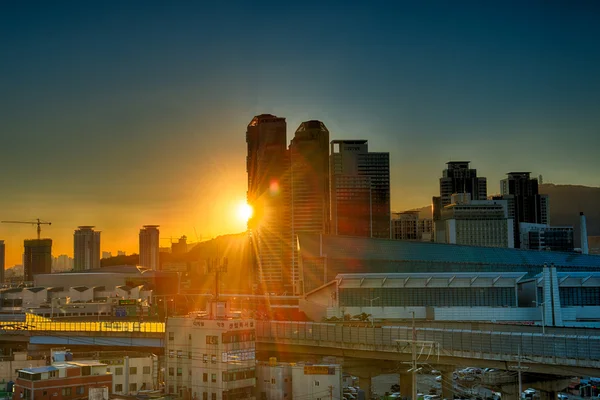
x=244, y=211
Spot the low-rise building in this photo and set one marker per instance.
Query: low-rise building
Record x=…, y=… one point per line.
x=61, y=381
x=289, y=381
x=546, y=237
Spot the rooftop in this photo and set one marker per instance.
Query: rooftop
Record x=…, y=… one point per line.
x=362, y=248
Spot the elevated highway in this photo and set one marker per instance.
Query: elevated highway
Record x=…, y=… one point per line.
x=577, y=352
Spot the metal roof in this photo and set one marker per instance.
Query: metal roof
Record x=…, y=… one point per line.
x=433, y=280
x=363, y=248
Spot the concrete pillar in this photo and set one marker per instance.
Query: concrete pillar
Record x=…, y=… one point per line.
x=510, y=395
x=365, y=384
x=406, y=385
x=447, y=384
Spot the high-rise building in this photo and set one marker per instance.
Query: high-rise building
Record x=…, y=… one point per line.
x=86, y=248
x=525, y=204
x=458, y=177
x=477, y=222
x=360, y=190
x=405, y=225
x=2, y=260
x=309, y=175
x=37, y=258
x=269, y=195
x=149, y=239
x=106, y=254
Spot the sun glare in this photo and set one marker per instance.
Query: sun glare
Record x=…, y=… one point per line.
x=244, y=211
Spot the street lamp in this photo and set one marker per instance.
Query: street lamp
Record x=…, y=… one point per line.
x=543, y=314
x=371, y=300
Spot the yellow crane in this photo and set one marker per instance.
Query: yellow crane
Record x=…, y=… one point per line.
x=37, y=222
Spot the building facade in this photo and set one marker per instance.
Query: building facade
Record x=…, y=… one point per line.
x=309, y=157
x=149, y=247
x=545, y=237
x=405, y=225
x=269, y=195
x=211, y=358
x=525, y=204
x=61, y=381
x=2, y=260
x=477, y=222
x=37, y=258
x=86, y=248
x=360, y=190
x=458, y=177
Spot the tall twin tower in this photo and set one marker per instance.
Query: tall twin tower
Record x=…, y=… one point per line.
x=314, y=186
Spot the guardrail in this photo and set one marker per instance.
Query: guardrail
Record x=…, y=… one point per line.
x=458, y=343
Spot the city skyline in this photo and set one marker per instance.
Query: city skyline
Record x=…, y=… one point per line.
x=148, y=118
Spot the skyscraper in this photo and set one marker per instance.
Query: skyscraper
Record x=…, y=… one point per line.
x=458, y=177
x=525, y=204
x=2, y=261
x=37, y=258
x=86, y=248
x=149, y=235
x=269, y=194
x=360, y=190
x=309, y=157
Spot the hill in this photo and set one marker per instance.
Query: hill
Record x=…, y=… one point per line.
x=566, y=201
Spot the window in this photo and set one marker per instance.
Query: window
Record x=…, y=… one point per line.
x=66, y=391
x=108, y=370
x=179, y=371
x=204, y=396
x=179, y=353
x=133, y=387
x=213, y=396
x=213, y=359
x=171, y=371
x=80, y=390
x=53, y=374
x=146, y=370
x=132, y=370
x=213, y=377
x=119, y=371
x=44, y=393
x=205, y=377
x=189, y=336
x=272, y=381
x=204, y=358
x=189, y=355
x=118, y=387
x=171, y=335
x=171, y=389
x=212, y=339
x=316, y=383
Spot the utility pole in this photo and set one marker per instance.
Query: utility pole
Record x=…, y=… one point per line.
x=519, y=368
x=330, y=392
x=414, y=358
x=371, y=300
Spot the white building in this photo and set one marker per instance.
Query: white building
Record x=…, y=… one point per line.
x=273, y=380
x=210, y=358
x=289, y=381
x=86, y=248
x=478, y=222
x=149, y=247
x=318, y=382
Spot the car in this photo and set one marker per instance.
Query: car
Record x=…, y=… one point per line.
x=564, y=396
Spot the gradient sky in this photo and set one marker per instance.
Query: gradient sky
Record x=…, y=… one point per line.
x=119, y=114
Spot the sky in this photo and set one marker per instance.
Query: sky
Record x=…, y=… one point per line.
x=119, y=114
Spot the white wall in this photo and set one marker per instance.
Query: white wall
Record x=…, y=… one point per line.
x=316, y=387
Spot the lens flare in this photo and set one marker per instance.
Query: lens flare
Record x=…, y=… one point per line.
x=244, y=211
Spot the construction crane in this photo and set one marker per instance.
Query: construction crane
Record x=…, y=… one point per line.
x=37, y=222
